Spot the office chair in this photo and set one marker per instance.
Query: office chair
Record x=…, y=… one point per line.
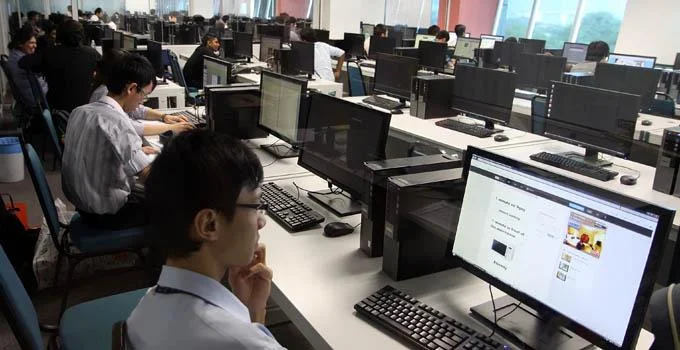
x=88, y=241
x=21, y=109
x=664, y=310
x=538, y=114
x=191, y=94
x=663, y=107
x=355, y=80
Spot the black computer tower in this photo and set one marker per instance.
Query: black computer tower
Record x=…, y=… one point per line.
x=412, y=52
x=234, y=110
x=227, y=47
x=667, y=177
x=283, y=61
x=420, y=224
x=431, y=96
x=375, y=196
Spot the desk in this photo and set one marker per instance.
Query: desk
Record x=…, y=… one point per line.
x=165, y=91
x=324, y=86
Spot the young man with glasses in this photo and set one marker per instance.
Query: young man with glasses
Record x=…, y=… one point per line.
x=210, y=235
x=103, y=153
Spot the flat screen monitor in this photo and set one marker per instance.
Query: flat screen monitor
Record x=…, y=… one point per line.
x=565, y=249
x=353, y=44
x=129, y=42
x=267, y=46
x=243, y=44
x=506, y=53
x=597, y=119
x=537, y=71
x=489, y=40
x=367, y=29
x=216, y=71
x=322, y=35
x=630, y=60
x=432, y=55
x=676, y=65
x=423, y=37
x=398, y=36
x=107, y=46
x=633, y=80
x=484, y=93
x=409, y=33
x=154, y=52
x=531, y=45
x=339, y=137
x=281, y=99
x=465, y=48
x=381, y=45
x=271, y=30
x=108, y=33
x=393, y=75
x=303, y=57
x=575, y=52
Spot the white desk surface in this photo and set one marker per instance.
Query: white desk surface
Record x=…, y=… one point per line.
x=317, y=281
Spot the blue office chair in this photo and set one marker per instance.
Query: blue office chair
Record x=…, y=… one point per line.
x=355, y=80
x=22, y=111
x=89, y=242
x=663, y=107
x=177, y=75
x=84, y=326
x=538, y=114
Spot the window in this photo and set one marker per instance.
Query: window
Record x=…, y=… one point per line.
x=409, y=13
x=601, y=21
x=554, y=21
x=514, y=18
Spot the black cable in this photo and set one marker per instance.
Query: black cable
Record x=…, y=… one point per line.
x=495, y=318
x=511, y=311
x=357, y=225
x=298, y=188
x=274, y=161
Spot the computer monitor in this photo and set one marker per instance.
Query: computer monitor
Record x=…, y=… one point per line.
x=267, y=46
x=537, y=71
x=270, y=30
x=488, y=40
x=531, y=45
x=117, y=40
x=630, y=79
x=107, y=46
x=432, y=55
x=465, y=48
x=506, y=53
x=243, y=45
x=129, y=42
x=597, y=119
x=282, y=111
x=393, y=75
x=398, y=36
x=303, y=57
x=367, y=29
x=216, y=71
x=575, y=52
x=108, y=33
x=423, y=37
x=676, y=65
x=566, y=254
x=154, y=52
x=339, y=137
x=409, y=33
x=322, y=35
x=353, y=44
x=380, y=45
x=630, y=60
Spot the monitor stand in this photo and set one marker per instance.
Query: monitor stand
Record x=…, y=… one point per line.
x=339, y=203
x=528, y=327
x=591, y=157
x=281, y=151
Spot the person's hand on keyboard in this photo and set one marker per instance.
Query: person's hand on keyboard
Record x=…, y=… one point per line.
x=181, y=126
x=150, y=150
x=174, y=119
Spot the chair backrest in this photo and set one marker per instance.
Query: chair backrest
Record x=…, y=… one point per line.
x=664, y=106
x=18, y=308
x=38, y=94
x=177, y=74
x=12, y=84
x=119, y=336
x=42, y=190
x=47, y=117
x=538, y=107
x=355, y=80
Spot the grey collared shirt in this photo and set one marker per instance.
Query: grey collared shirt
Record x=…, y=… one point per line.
x=136, y=115
x=205, y=316
x=102, y=154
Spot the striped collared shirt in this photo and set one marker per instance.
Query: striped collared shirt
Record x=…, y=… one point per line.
x=136, y=115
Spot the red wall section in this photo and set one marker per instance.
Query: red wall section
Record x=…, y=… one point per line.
x=477, y=15
x=295, y=8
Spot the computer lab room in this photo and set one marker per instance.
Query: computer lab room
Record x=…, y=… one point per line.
x=323, y=174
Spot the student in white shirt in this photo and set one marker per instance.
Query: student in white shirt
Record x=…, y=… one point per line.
x=205, y=211
x=323, y=53
x=379, y=31
x=97, y=14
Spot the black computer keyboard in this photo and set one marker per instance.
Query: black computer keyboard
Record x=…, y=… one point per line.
x=419, y=324
x=575, y=166
x=383, y=102
x=287, y=210
x=192, y=118
x=470, y=129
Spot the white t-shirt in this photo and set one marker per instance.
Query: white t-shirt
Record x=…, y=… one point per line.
x=94, y=18
x=322, y=59
x=112, y=25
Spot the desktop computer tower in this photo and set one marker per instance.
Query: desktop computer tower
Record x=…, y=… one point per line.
x=374, y=197
x=420, y=222
x=431, y=96
x=667, y=177
x=234, y=109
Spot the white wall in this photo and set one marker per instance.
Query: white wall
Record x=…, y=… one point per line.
x=137, y=5
x=343, y=16
x=201, y=7
x=409, y=12
x=650, y=28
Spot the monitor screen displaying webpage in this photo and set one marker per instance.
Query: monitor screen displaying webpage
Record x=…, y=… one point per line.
x=635, y=61
x=558, y=245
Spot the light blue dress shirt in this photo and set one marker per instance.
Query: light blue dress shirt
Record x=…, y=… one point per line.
x=205, y=316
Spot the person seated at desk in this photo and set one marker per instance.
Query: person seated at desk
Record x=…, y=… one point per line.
x=433, y=30
x=598, y=51
x=23, y=44
x=209, y=235
x=193, y=69
x=97, y=15
x=379, y=31
x=443, y=37
x=323, y=53
x=171, y=122
x=291, y=26
x=103, y=153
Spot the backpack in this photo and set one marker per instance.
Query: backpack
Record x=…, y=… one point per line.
x=19, y=244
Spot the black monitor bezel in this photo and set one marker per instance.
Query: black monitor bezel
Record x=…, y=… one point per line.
x=522, y=41
x=537, y=82
x=229, y=65
x=134, y=40
x=507, y=110
x=479, y=44
x=564, y=46
x=158, y=67
x=305, y=48
x=394, y=93
x=245, y=39
x=653, y=261
x=301, y=119
x=352, y=46
x=629, y=55
x=378, y=43
x=423, y=52
x=646, y=99
x=262, y=59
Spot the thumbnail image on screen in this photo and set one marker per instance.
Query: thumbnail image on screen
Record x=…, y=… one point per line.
x=585, y=234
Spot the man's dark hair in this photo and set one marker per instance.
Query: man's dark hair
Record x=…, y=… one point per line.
x=97, y=10
x=597, y=50
x=433, y=30
x=32, y=14
x=459, y=29
x=291, y=20
x=47, y=26
x=308, y=35
x=199, y=169
x=104, y=67
x=70, y=33
x=57, y=18
x=379, y=30
x=225, y=18
x=511, y=39
x=132, y=68
x=22, y=36
x=443, y=35
x=206, y=38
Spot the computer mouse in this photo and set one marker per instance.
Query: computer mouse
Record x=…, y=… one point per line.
x=500, y=138
x=628, y=180
x=646, y=122
x=396, y=111
x=337, y=229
